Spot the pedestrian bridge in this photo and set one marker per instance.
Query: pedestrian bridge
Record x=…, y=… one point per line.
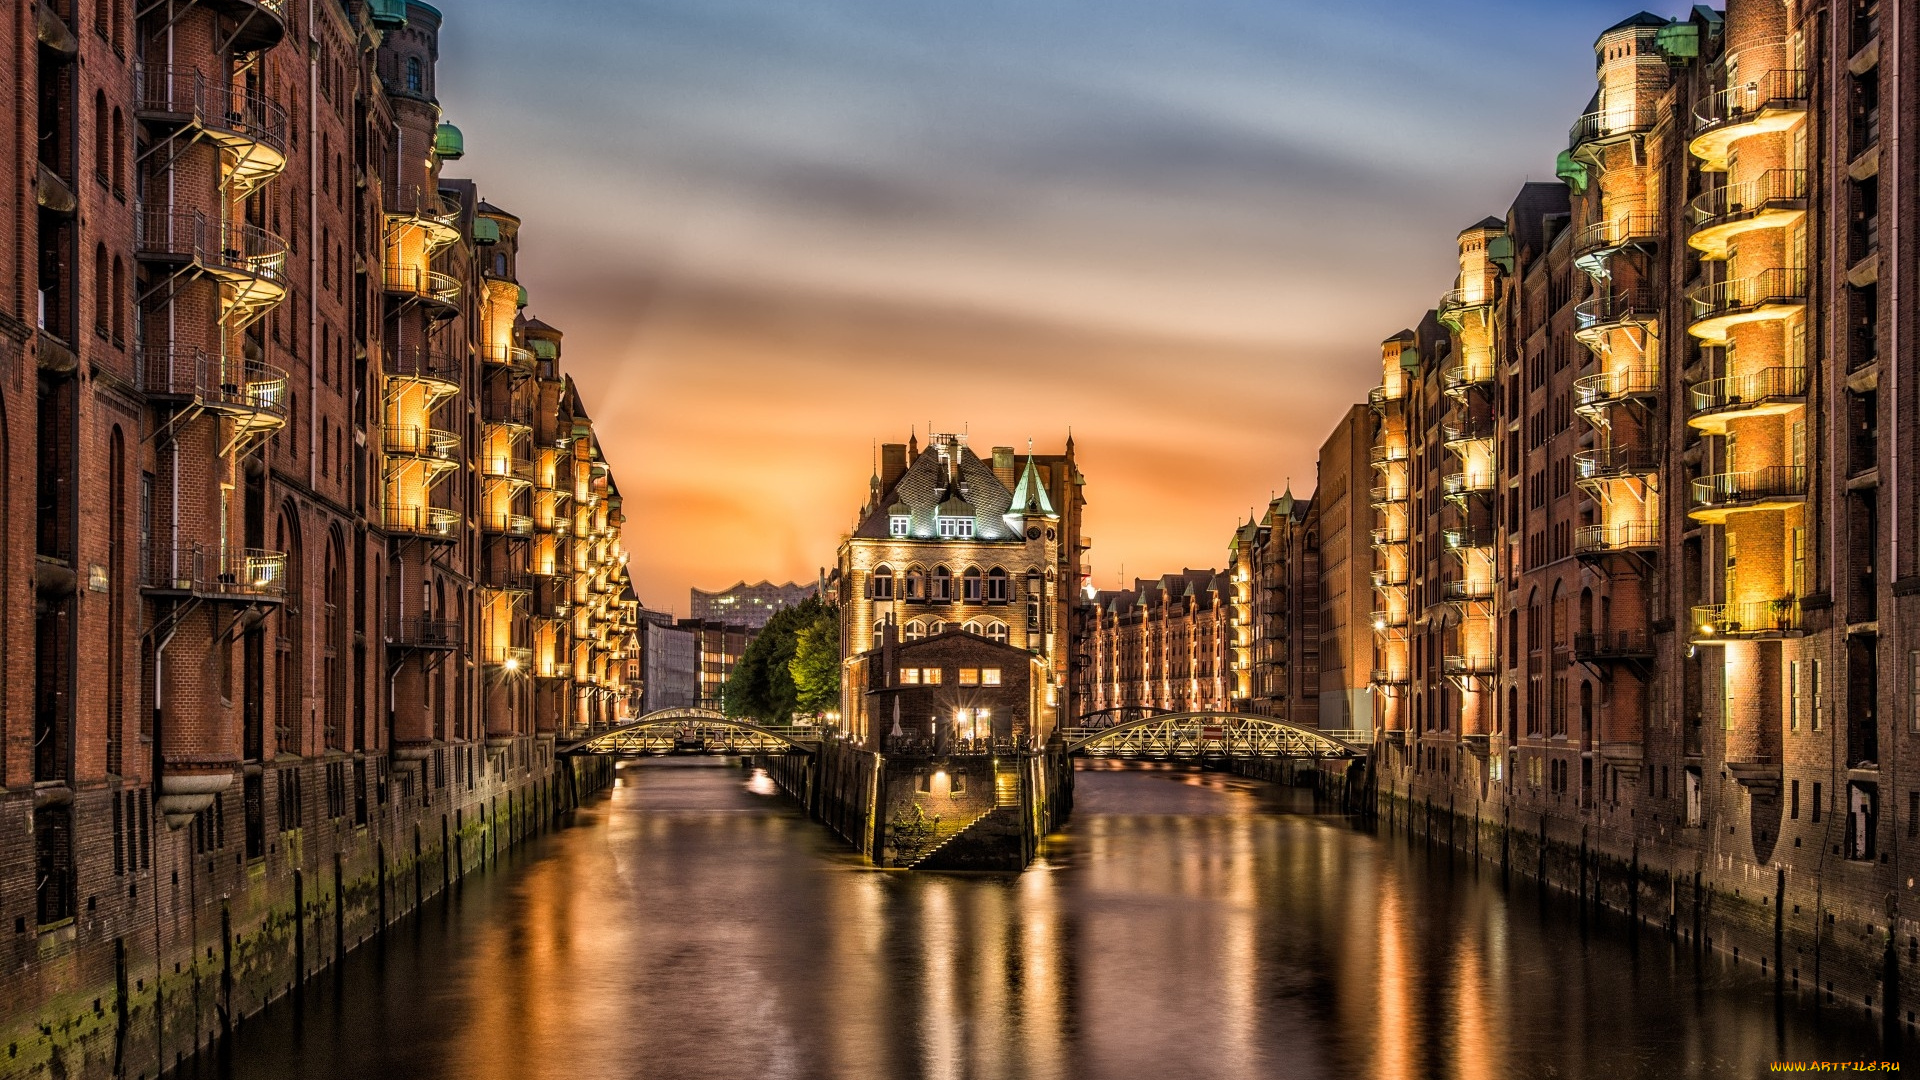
x=1207, y=736
x=696, y=731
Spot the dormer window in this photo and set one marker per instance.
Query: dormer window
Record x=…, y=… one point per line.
x=956, y=528
x=897, y=525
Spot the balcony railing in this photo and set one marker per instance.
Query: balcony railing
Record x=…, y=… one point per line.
x=1769, y=386
x=1625, y=536
x=1465, y=483
x=1468, y=538
x=1389, y=493
x=1454, y=306
x=1611, y=123
x=1467, y=665
x=423, y=442
x=231, y=113
x=1613, y=462
x=1766, y=618
x=249, y=575
x=230, y=386
x=1466, y=429
x=507, y=524
x=518, y=470
x=1615, y=233
x=1389, y=676
x=1391, y=577
x=422, y=632
x=1388, y=620
x=1469, y=589
x=1380, y=396
x=1389, y=536
x=512, y=356
x=1621, y=384
x=1388, y=453
x=506, y=410
x=412, y=281
x=511, y=659
x=220, y=248
x=1774, y=483
x=1726, y=205
x=1474, y=372
x=1612, y=645
x=1615, y=308
x=1783, y=287
x=418, y=363
x=431, y=522
x=1783, y=90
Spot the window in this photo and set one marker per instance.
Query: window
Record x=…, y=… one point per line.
x=1862, y=821
x=1813, y=693
x=990, y=676
x=1793, y=800
x=942, y=584
x=996, y=586
x=916, y=630
x=935, y=626
x=971, y=587
x=930, y=676
x=1694, y=815
x=1816, y=807
x=883, y=584
x=997, y=631
x=1913, y=690
x=956, y=528
x=916, y=584
x=972, y=627
x=969, y=676
x=897, y=525
x=909, y=676
x=1793, y=695
x=414, y=82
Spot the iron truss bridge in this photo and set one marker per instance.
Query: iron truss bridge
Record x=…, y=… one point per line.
x=697, y=731
x=1206, y=737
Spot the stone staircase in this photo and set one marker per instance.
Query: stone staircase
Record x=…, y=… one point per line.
x=1003, y=820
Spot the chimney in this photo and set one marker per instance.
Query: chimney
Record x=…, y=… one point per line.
x=893, y=465
x=1003, y=466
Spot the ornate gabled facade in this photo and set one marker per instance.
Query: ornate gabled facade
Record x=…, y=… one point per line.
x=1166, y=645
x=949, y=540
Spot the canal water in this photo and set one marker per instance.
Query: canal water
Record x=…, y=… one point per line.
x=694, y=924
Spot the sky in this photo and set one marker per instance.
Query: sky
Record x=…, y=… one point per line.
x=775, y=233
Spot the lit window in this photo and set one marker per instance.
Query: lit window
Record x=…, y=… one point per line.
x=916, y=630
x=969, y=676
x=971, y=627
x=909, y=676
x=930, y=676
x=883, y=584
x=897, y=525
x=971, y=586
x=996, y=586
x=989, y=677
x=942, y=584
x=936, y=627
x=956, y=527
x=997, y=631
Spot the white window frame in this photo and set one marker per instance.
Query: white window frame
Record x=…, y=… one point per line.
x=897, y=525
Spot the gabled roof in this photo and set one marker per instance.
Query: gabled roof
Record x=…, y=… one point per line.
x=1030, y=495
x=1643, y=19
x=932, y=486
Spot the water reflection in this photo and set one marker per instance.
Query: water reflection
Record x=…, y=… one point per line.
x=697, y=925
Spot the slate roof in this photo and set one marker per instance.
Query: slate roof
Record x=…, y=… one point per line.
x=929, y=482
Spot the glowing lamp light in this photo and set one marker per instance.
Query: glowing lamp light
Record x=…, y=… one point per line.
x=1379, y=624
x=513, y=663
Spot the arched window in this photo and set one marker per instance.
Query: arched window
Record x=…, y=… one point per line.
x=333, y=647
x=414, y=83
x=102, y=147
x=102, y=290
x=997, y=631
x=883, y=583
x=972, y=586
x=935, y=626
x=1586, y=611
x=916, y=583
x=119, y=300
x=119, y=149
x=972, y=626
x=916, y=629
x=942, y=583
x=996, y=586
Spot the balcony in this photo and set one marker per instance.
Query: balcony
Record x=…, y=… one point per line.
x=1775, y=199
x=1390, y=537
x=1389, y=495
x=1767, y=392
x=1461, y=304
x=1477, y=371
x=441, y=371
x=1606, y=125
x=517, y=472
x=1771, y=294
x=1607, y=388
x=436, y=217
x=1776, y=487
x=1597, y=316
x=1772, y=102
x=249, y=262
x=250, y=393
x=1389, y=676
x=234, y=575
x=1717, y=623
x=1458, y=667
x=250, y=129
x=1469, y=539
x=1386, y=620
x=509, y=356
x=258, y=24
x=1381, y=396
x=1598, y=242
x=1460, y=434
x=438, y=292
x=508, y=659
x=429, y=444
x=1470, y=589
x=1593, y=541
x=1613, y=463
x=421, y=633
x=1612, y=645
x=510, y=412
x=1384, y=454
x=1390, y=578
x=425, y=522
x=506, y=524
x=1461, y=484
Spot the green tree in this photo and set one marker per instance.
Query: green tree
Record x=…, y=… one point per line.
x=816, y=663
x=761, y=686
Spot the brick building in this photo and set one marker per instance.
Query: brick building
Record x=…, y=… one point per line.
x=946, y=540
x=316, y=549
x=1166, y=645
x=949, y=693
x=1275, y=630
x=1643, y=493
x=717, y=647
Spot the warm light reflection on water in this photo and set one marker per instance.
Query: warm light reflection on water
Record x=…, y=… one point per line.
x=694, y=924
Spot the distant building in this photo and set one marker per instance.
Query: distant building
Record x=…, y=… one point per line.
x=1276, y=618
x=1344, y=513
x=716, y=648
x=749, y=605
x=1162, y=646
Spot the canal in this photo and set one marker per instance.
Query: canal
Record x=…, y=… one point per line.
x=695, y=924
